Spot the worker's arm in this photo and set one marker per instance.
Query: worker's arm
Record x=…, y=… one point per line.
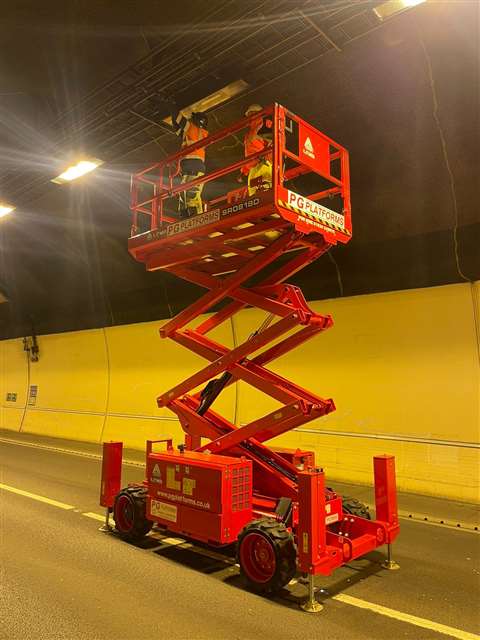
x=179, y=121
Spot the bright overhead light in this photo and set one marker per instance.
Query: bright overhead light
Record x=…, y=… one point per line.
x=5, y=209
x=77, y=170
x=214, y=99
x=392, y=7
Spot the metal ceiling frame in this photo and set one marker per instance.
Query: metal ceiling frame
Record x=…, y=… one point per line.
x=112, y=118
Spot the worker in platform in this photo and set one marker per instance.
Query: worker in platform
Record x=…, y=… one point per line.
x=257, y=138
x=191, y=130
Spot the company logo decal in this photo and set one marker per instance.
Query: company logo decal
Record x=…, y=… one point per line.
x=164, y=510
x=193, y=223
x=314, y=213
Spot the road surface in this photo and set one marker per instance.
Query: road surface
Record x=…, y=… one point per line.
x=63, y=579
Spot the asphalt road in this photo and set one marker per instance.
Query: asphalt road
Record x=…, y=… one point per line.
x=63, y=579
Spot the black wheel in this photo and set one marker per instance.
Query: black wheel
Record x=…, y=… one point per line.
x=355, y=508
x=129, y=514
x=267, y=555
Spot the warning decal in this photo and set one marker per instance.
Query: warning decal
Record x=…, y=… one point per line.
x=308, y=149
x=333, y=518
x=156, y=474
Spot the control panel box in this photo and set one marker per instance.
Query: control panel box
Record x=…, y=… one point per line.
x=207, y=497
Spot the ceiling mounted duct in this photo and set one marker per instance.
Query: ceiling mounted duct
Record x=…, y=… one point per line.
x=214, y=99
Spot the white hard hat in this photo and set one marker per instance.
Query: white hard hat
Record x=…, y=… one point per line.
x=253, y=108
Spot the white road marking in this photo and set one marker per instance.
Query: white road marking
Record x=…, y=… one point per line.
x=406, y=617
x=176, y=542
x=35, y=445
x=173, y=542
x=34, y=496
x=70, y=452
x=94, y=516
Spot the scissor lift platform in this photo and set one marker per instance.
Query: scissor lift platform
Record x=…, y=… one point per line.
x=242, y=248
x=237, y=226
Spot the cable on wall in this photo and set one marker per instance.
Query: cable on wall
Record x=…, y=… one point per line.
x=107, y=395
x=443, y=144
x=337, y=269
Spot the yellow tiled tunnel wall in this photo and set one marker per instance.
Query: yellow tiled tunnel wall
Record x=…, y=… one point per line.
x=401, y=366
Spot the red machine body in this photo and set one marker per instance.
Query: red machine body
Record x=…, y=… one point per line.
x=111, y=472
x=227, y=484
x=205, y=497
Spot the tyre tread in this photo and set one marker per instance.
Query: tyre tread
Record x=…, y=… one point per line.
x=141, y=526
x=285, y=551
x=354, y=507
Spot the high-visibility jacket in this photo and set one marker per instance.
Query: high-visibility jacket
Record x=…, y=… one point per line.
x=257, y=138
x=190, y=134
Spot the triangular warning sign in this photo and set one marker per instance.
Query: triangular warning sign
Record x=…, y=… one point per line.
x=156, y=470
x=308, y=148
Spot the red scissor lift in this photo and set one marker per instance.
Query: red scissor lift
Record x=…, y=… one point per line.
x=225, y=485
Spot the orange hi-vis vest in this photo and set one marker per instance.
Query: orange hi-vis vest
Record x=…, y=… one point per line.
x=192, y=134
x=254, y=142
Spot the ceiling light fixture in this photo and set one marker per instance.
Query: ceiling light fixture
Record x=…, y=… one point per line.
x=77, y=170
x=214, y=99
x=393, y=7
x=5, y=209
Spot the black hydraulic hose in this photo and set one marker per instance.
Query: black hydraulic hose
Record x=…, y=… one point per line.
x=208, y=396
x=211, y=392
x=271, y=463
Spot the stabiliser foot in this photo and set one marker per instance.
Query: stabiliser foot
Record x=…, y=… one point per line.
x=106, y=526
x=389, y=563
x=311, y=605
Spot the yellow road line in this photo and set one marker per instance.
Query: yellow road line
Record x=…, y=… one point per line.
x=94, y=516
x=406, y=617
x=34, y=496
